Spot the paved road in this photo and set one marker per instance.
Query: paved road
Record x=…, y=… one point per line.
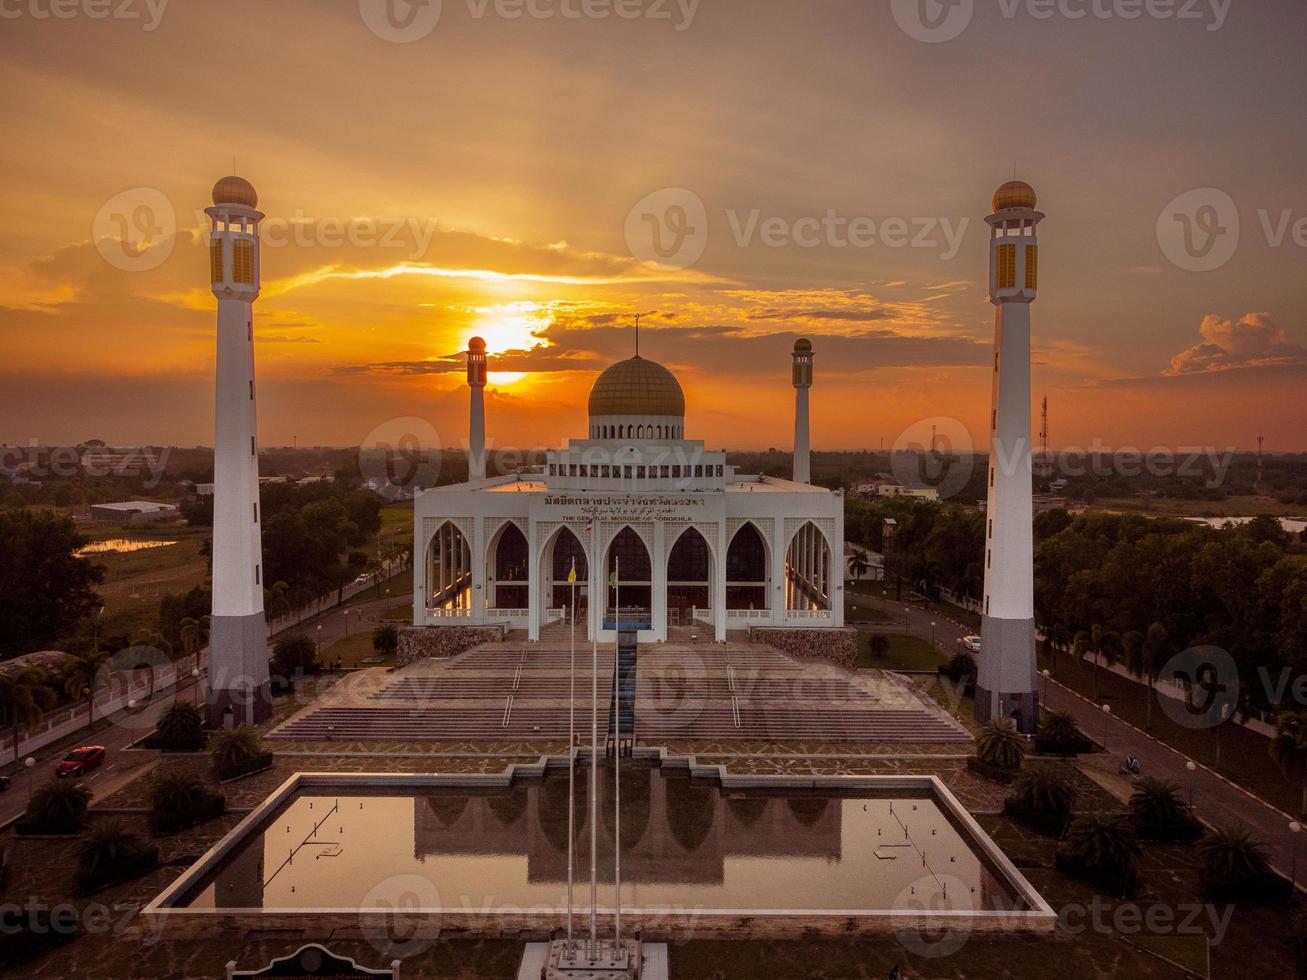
x=1216, y=801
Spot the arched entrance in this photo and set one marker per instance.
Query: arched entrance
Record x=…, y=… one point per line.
x=628, y=556
x=689, y=578
x=509, y=581
x=746, y=570
x=808, y=571
x=562, y=552
x=449, y=571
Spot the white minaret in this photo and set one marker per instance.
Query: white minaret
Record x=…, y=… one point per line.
x=476, y=429
x=802, y=383
x=1006, y=686
x=238, y=636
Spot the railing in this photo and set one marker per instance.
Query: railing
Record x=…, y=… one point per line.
x=808, y=614
x=556, y=615
x=449, y=613
x=507, y=613
x=746, y=614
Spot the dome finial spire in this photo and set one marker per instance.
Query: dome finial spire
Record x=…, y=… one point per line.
x=637, y=333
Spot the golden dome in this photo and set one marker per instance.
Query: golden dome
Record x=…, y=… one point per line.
x=802, y=346
x=235, y=190
x=637, y=387
x=477, y=344
x=1014, y=194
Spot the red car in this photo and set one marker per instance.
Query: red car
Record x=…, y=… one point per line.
x=80, y=761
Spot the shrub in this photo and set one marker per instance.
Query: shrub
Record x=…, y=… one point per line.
x=295, y=655
x=962, y=667
x=1043, y=798
x=237, y=752
x=180, y=729
x=1000, y=746
x=182, y=799
x=111, y=853
x=58, y=807
x=1060, y=735
x=1101, y=849
x=1159, y=813
x=385, y=640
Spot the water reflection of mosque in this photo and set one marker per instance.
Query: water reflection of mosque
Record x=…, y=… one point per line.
x=674, y=829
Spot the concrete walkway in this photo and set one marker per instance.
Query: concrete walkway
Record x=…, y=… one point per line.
x=1217, y=802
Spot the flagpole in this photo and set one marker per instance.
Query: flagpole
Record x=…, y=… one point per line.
x=617, y=757
x=571, y=765
x=594, y=748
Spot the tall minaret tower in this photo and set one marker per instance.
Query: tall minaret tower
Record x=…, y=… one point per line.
x=238, y=636
x=476, y=429
x=1006, y=685
x=802, y=383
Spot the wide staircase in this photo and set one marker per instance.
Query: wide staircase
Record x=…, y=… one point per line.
x=621, y=715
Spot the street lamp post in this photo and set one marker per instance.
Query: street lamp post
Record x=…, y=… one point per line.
x=1225, y=714
x=195, y=673
x=319, y=639
x=932, y=632
x=1107, y=718
x=30, y=764
x=1295, y=828
x=1192, y=767
x=1046, y=675
x=347, y=622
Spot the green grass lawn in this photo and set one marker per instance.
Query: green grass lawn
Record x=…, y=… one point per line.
x=352, y=650
x=1244, y=754
x=858, y=608
x=401, y=592
x=905, y=653
x=135, y=581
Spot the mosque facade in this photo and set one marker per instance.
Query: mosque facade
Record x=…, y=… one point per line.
x=659, y=533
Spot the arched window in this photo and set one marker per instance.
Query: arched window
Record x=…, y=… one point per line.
x=510, y=581
x=449, y=570
x=746, y=570
x=628, y=555
x=689, y=578
x=560, y=556
x=808, y=571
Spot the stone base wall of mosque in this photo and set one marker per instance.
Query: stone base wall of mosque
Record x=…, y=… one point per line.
x=437, y=642
x=838, y=646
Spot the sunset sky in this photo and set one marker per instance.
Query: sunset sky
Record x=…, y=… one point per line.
x=502, y=158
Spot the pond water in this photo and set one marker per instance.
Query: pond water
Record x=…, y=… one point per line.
x=686, y=844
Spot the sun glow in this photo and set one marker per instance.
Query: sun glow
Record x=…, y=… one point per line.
x=510, y=327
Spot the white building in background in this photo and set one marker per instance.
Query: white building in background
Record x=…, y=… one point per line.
x=1006, y=686
x=133, y=512
x=238, y=637
x=693, y=543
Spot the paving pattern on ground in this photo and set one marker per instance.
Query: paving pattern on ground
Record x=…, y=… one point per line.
x=515, y=691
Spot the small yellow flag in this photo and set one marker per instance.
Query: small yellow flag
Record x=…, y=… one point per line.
x=571, y=576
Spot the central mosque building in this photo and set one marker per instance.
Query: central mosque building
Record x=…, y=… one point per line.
x=661, y=532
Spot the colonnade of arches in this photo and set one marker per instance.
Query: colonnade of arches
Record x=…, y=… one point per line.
x=690, y=571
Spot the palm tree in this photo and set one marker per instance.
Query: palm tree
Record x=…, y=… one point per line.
x=109, y=844
x=80, y=677
x=1060, y=727
x=1159, y=812
x=1132, y=645
x=233, y=747
x=1056, y=639
x=58, y=807
x=878, y=645
x=25, y=698
x=1232, y=856
x=1001, y=746
x=178, y=798
x=181, y=726
x=1101, y=846
x=193, y=633
x=858, y=564
x=1289, y=747
x=1098, y=641
x=1154, y=652
x=1044, y=790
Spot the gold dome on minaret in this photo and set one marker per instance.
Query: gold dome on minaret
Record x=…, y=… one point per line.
x=637, y=387
x=235, y=190
x=1014, y=194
